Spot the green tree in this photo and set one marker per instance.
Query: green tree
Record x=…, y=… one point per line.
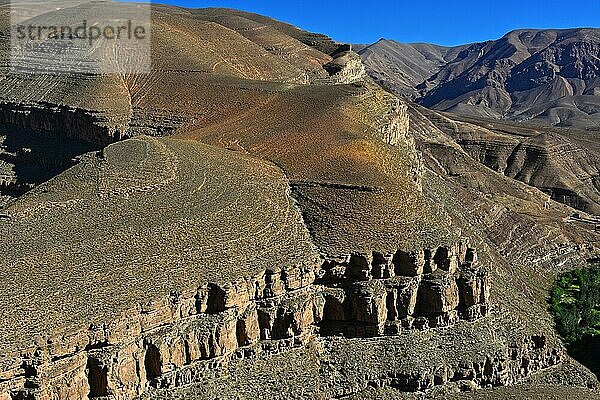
x=575, y=302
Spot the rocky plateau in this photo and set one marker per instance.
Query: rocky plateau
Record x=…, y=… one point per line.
x=257, y=216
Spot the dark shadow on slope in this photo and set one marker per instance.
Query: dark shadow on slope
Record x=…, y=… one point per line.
x=29, y=158
x=587, y=352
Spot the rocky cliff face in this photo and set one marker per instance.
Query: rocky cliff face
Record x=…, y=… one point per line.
x=324, y=247
x=71, y=122
x=346, y=66
x=186, y=338
x=168, y=343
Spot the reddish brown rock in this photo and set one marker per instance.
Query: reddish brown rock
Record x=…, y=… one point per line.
x=409, y=264
x=437, y=294
x=407, y=297
x=274, y=286
x=248, y=330
x=333, y=309
x=446, y=258
x=368, y=304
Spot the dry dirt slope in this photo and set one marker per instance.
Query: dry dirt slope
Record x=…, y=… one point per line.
x=218, y=269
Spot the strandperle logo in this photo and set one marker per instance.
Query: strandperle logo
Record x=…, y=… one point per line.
x=71, y=36
x=82, y=32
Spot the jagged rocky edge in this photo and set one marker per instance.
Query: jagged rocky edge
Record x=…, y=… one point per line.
x=172, y=341
x=92, y=126
x=175, y=340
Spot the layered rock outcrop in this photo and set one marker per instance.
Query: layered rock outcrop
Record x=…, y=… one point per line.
x=346, y=66
x=169, y=342
x=562, y=164
x=73, y=123
x=377, y=294
x=395, y=124
x=148, y=220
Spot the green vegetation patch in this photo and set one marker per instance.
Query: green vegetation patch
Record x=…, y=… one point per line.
x=575, y=302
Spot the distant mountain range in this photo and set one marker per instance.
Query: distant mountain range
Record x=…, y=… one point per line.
x=255, y=218
x=551, y=77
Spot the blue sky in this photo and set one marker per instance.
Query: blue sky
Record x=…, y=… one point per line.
x=443, y=22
